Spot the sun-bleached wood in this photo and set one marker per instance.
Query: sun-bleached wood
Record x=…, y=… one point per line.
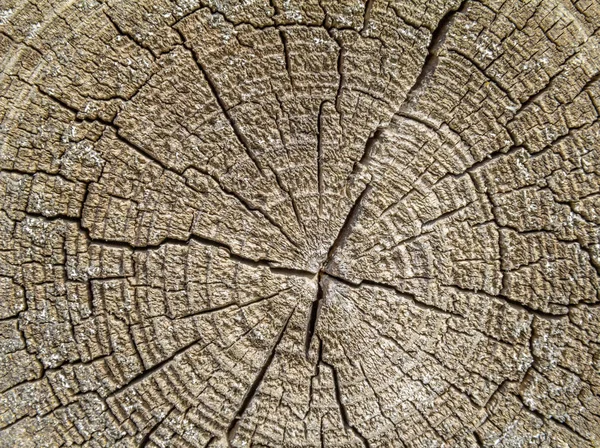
x=299, y=223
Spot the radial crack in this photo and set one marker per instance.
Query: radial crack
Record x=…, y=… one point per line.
x=286, y=55
x=346, y=228
x=438, y=37
x=224, y=245
x=233, y=123
x=144, y=442
x=251, y=392
x=342, y=406
x=237, y=305
x=320, y=185
x=314, y=314
x=367, y=15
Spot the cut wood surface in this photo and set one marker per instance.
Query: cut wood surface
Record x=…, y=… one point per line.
x=300, y=223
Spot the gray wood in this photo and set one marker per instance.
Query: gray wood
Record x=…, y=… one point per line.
x=299, y=223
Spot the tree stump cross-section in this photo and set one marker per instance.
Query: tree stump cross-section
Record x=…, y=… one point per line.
x=300, y=223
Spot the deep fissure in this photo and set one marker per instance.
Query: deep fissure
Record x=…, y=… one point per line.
x=443, y=260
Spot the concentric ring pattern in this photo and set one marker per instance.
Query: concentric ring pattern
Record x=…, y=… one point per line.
x=299, y=223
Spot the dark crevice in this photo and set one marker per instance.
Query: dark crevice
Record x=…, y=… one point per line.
x=150, y=371
x=136, y=349
x=251, y=392
x=533, y=98
x=342, y=406
x=320, y=188
x=278, y=121
x=291, y=272
x=409, y=240
x=224, y=109
x=22, y=42
x=438, y=37
x=144, y=442
x=276, y=10
x=591, y=81
x=317, y=370
x=234, y=126
x=6, y=425
x=532, y=351
x=314, y=314
x=117, y=132
x=345, y=281
x=190, y=13
x=410, y=297
x=478, y=439
x=321, y=434
x=247, y=205
x=443, y=216
x=70, y=108
x=489, y=158
x=385, y=286
x=368, y=152
x=513, y=303
x=270, y=264
x=346, y=228
x=286, y=54
x=373, y=95
x=232, y=305
x=243, y=141
x=22, y=172
x=427, y=122
x=551, y=419
x=496, y=82
x=130, y=36
x=340, y=69
x=367, y=15
x=501, y=389
x=14, y=317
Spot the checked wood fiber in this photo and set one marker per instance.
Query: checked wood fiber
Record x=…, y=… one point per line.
x=300, y=223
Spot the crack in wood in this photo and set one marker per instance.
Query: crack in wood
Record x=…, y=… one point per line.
x=258, y=380
x=342, y=406
x=59, y=318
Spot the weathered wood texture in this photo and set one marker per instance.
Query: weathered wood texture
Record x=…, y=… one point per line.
x=300, y=223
